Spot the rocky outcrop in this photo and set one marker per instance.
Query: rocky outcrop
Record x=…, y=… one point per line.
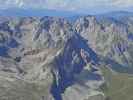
x=107, y=37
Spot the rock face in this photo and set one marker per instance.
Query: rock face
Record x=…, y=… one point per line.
x=53, y=59
x=109, y=38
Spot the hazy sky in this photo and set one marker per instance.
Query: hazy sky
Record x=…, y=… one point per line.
x=70, y=5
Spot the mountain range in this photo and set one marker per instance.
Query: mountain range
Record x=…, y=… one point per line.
x=64, y=56
x=37, y=12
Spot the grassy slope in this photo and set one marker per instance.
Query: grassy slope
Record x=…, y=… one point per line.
x=119, y=86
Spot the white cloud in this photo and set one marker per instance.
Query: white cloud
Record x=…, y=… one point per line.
x=122, y=3
x=65, y=4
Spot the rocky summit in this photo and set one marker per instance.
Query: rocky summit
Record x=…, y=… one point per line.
x=52, y=58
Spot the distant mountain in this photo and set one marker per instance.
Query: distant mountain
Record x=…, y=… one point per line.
x=36, y=12
x=116, y=14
